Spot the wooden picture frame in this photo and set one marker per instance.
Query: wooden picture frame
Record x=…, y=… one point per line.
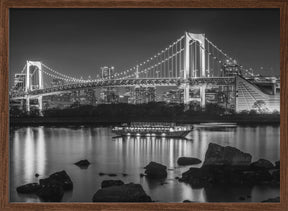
x=5, y=5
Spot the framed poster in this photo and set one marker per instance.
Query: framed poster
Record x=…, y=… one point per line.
x=143, y=105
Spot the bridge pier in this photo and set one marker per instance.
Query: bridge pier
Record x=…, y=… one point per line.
x=27, y=104
x=186, y=94
x=187, y=59
x=202, y=96
x=274, y=86
x=40, y=105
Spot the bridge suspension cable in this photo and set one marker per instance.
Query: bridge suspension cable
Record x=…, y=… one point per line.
x=64, y=77
x=145, y=63
x=229, y=57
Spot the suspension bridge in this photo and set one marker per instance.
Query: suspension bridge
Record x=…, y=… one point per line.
x=192, y=61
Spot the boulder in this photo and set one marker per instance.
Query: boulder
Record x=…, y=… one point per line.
x=61, y=178
x=188, y=161
x=256, y=177
x=83, y=164
x=51, y=192
x=228, y=165
x=196, y=177
x=123, y=193
x=237, y=175
x=276, y=175
x=276, y=199
x=277, y=164
x=219, y=155
x=29, y=188
x=188, y=201
x=241, y=198
x=50, y=189
x=262, y=164
x=155, y=170
x=108, y=183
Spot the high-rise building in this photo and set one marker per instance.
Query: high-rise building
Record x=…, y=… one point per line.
x=231, y=68
x=19, y=81
x=59, y=101
x=145, y=94
x=57, y=82
x=84, y=97
x=109, y=95
x=107, y=72
x=173, y=96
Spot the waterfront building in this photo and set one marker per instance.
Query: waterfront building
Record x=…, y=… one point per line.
x=173, y=96
x=59, y=101
x=144, y=94
x=84, y=97
x=109, y=95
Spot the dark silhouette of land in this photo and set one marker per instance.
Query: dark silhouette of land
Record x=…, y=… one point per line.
x=117, y=113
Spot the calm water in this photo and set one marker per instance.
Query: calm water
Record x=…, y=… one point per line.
x=45, y=150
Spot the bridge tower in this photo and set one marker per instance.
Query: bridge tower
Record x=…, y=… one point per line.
x=187, y=61
x=29, y=86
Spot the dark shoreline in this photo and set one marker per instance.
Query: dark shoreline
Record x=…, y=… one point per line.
x=66, y=121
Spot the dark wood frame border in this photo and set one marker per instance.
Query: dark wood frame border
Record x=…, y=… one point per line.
x=4, y=118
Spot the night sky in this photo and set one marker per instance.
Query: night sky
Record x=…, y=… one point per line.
x=77, y=42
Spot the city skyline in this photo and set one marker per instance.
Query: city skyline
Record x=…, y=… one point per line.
x=72, y=42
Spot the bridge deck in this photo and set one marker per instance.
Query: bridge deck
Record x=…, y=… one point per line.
x=127, y=82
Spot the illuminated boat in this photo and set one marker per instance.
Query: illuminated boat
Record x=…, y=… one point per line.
x=153, y=129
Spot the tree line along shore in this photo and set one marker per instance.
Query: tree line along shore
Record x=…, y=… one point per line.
x=116, y=113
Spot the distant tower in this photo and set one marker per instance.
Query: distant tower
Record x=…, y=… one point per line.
x=187, y=57
x=31, y=77
x=107, y=72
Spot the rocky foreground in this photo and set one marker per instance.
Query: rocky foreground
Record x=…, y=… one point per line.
x=222, y=165
x=50, y=189
x=228, y=165
x=117, y=191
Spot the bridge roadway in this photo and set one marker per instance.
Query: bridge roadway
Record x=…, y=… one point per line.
x=124, y=83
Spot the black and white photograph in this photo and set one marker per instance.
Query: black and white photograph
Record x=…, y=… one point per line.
x=144, y=105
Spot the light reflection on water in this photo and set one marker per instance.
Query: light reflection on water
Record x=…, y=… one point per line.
x=44, y=150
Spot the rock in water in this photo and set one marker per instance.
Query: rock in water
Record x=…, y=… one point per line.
x=196, y=177
x=262, y=164
x=109, y=183
x=61, y=178
x=83, y=164
x=188, y=161
x=276, y=175
x=187, y=201
x=124, y=193
x=29, y=188
x=218, y=155
x=228, y=165
x=51, y=192
x=277, y=199
x=277, y=164
x=155, y=170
